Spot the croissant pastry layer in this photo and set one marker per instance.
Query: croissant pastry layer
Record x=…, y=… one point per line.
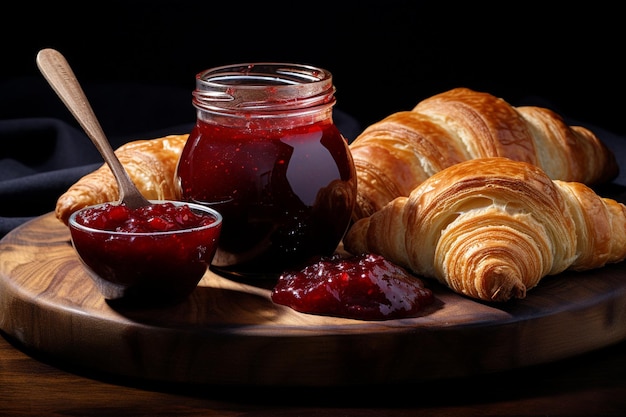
x=399, y=152
x=151, y=165
x=492, y=228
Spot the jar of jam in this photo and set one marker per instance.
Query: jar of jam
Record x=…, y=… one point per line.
x=267, y=155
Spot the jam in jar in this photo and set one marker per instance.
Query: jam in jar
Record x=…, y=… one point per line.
x=267, y=155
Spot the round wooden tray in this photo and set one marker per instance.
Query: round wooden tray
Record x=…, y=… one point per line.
x=230, y=332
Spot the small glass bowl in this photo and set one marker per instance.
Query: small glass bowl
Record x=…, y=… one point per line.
x=148, y=267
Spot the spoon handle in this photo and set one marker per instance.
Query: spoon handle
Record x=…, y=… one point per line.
x=61, y=78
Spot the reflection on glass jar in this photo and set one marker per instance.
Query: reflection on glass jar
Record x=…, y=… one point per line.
x=267, y=155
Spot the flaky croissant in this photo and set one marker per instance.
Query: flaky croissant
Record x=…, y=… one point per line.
x=399, y=152
x=492, y=228
x=151, y=165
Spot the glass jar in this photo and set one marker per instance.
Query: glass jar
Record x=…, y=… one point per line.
x=267, y=155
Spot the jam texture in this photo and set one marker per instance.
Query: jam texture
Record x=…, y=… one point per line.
x=154, y=218
x=364, y=287
x=156, y=254
x=286, y=193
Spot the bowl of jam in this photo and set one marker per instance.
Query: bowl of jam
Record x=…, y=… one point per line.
x=151, y=255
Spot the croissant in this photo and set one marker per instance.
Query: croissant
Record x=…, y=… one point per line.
x=399, y=152
x=150, y=163
x=492, y=228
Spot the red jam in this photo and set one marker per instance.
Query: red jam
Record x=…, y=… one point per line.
x=364, y=287
x=286, y=192
x=127, y=259
x=154, y=218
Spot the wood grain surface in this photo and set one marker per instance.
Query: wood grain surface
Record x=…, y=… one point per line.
x=230, y=332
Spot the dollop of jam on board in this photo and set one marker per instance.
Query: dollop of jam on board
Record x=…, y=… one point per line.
x=153, y=218
x=363, y=287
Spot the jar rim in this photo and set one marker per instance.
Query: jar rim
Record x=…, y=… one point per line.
x=283, y=72
x=263, y=86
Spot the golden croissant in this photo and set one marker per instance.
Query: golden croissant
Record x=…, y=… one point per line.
x=492, y=228
x=399, y=152
x=151, y=165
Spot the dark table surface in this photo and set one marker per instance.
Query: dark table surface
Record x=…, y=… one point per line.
x=592, y=384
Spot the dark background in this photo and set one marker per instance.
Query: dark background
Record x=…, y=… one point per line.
x=138, y=59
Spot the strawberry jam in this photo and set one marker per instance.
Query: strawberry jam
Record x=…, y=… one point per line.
x=156, y=253
x=154, y=218
x=267, y=155
x=365, y=287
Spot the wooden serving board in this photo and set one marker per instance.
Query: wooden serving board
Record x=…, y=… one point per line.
x=230, y=332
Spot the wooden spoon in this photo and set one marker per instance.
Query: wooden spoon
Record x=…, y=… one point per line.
x=60, y=76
